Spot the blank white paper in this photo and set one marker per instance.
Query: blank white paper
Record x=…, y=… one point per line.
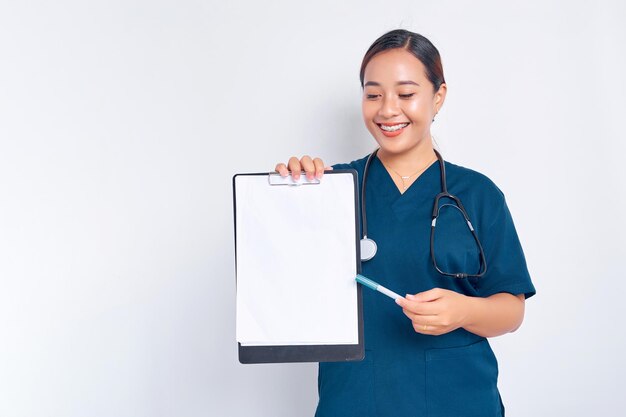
x=296, y=262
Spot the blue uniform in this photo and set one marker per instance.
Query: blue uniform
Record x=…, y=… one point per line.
x=405, y=373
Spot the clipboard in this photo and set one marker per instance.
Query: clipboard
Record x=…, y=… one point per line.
x=297, y=253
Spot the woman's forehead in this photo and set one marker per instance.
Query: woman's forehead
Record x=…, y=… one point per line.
x=394, y=65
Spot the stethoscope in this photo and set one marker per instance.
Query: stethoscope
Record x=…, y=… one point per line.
x=369, y=247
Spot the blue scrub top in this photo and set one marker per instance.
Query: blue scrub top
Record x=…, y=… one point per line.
x=405, y=373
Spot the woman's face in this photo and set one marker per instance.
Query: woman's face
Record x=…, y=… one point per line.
x=398, y=101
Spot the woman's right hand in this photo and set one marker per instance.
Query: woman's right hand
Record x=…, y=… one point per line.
x=311, y=167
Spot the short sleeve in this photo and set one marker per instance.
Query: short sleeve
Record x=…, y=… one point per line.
x=341, y=166
x=506, y=263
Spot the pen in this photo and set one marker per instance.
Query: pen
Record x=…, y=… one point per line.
x=376, y=287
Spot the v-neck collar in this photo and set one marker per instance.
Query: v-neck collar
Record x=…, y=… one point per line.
x=396, y=194
x=403, y=205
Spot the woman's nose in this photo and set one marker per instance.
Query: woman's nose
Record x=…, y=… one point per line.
x=389, y=108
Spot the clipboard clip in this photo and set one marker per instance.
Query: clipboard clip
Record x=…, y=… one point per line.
x=277, y=179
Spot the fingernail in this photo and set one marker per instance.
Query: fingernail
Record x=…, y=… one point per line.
x=397, y=300
x=409, y=296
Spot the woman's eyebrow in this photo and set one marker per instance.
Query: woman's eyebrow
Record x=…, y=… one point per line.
x=377, y=84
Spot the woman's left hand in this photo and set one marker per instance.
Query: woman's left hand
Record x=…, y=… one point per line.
x=437, y=311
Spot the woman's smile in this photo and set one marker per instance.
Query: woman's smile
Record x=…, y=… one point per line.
x=392, y=129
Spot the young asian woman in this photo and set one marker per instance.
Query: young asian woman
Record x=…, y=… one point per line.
x=427, y=354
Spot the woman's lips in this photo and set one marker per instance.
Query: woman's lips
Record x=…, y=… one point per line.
x=397, y=130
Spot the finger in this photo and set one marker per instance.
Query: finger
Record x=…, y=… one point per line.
x=328, y=168
x=426, y=328
x=425, y=324
x=419, y=317
x=308, y=166
x=282, y=169
x=418, y=307
x=319, y=168
x=430, y=295
x=294, y=167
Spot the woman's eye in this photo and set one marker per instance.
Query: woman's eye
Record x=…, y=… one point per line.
x=406, y=95
x=372, y=96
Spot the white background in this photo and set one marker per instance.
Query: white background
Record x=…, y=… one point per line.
x=123, y=122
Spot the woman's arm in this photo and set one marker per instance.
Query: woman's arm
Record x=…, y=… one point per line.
x=495, y=315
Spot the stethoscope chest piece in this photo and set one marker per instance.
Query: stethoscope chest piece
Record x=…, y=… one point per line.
x=368, y=249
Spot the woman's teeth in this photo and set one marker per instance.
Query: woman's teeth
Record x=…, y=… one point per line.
x=394, y=127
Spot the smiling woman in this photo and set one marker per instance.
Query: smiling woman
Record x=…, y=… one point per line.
x=439, y=361
x=400, y=91
x=401, y=97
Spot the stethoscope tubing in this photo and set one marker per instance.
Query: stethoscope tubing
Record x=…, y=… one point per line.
x=369, y=246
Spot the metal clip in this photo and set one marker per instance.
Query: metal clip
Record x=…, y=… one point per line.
x=277, y=179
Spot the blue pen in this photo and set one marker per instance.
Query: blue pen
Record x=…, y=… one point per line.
x=376, y=287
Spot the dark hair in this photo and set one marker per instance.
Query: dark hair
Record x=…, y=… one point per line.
x=416, y=44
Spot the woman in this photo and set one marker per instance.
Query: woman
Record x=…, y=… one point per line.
x=438, y=362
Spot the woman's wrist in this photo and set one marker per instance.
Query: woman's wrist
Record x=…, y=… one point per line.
x=470, y=311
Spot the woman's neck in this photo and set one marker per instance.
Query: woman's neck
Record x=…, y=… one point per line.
x=410, y=161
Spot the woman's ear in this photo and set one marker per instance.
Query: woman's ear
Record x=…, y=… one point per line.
x=440, y=96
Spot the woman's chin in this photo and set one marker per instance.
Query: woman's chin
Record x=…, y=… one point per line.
x=392, y=146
